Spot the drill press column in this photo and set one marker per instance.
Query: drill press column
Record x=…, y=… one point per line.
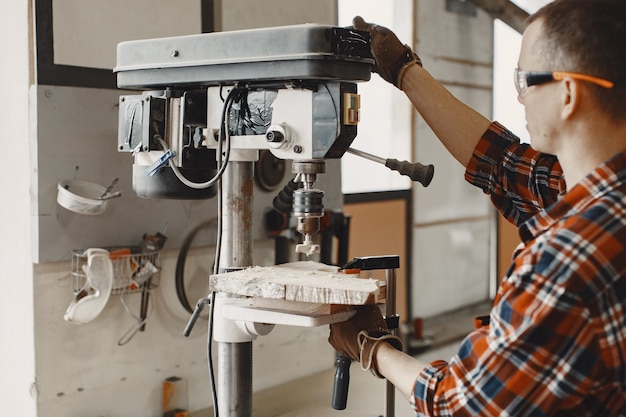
x=234, y=379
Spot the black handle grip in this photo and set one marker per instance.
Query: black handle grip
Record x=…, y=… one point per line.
x=342, y=381
x=194, y=316
x=416, y=171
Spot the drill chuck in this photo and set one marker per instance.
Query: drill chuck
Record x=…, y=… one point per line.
x=308, y=203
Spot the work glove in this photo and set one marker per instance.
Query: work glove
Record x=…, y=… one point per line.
x=391, y=57
x=359, y=337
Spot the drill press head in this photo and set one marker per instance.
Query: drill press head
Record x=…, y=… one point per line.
x=309, y=126
x=296, y=96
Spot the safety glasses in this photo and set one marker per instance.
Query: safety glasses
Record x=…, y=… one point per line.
x=525, y=79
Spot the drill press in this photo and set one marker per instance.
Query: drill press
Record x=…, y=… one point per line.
x=209, y=104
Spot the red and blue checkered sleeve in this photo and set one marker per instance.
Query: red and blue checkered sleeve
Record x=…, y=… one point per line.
x=538, y=356
x=519, y=180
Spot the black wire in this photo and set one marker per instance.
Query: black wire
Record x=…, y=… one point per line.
x=190, y=324
x=237, y=93
x=233, y=95
x=216, y=412
x=179, y=274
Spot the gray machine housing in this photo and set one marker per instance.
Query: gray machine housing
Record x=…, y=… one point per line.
x=297, y=52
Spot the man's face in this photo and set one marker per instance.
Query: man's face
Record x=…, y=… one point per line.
x=540, y=101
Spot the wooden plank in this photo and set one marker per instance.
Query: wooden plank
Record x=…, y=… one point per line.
x=304, y=282
x=296, y=307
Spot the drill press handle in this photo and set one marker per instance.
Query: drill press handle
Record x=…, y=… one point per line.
x=414, y=170
x=341, y=382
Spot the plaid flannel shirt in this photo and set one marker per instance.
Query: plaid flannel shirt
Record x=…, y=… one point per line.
x=555, y=344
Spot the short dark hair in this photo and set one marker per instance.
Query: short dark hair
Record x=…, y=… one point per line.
x=588, y=36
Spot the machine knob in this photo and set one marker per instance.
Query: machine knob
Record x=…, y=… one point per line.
x=278, y=136
x=275, y=136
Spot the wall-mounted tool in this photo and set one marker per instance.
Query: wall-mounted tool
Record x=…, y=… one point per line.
x=91, y=299
x=85, y=197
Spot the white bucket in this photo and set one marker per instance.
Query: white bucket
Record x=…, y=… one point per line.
x=81, y=197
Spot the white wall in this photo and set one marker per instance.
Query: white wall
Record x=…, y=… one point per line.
x=246, y=14
x=90, y=28
x=16, y=276
x=385, y=122
x=452, y=219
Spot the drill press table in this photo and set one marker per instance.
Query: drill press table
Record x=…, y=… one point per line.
x=300, y=293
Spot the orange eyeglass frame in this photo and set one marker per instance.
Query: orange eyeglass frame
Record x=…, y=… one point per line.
x=525, y=79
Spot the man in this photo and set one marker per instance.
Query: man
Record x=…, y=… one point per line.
x=555, y=340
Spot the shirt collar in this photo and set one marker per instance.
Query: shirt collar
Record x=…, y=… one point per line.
x=606, y=177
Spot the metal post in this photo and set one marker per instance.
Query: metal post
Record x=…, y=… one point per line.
x=237, y=216
x=234, y=370
x=234, y=379
x=390, y=391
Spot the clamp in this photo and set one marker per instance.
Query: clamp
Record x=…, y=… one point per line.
x=390, y=263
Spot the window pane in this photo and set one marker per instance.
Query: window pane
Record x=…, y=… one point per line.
x=385, y=127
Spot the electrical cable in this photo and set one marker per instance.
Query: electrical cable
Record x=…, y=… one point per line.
x=224, y=127
x=218, y=243
x=190, y=324
x=216, y=412
x=216, y=270
x=179, y=274
x=223, y=135
x=234, y=94
x=180, y=264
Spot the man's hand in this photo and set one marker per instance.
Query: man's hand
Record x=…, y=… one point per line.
x=390, y=55
x=359, y=337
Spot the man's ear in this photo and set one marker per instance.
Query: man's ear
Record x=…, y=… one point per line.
x=571, y=95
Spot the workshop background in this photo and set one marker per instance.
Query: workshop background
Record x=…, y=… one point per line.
x=59, y=119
